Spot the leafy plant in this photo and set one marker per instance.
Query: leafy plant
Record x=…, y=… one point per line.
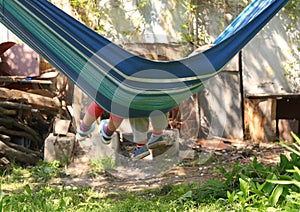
x=255, y=171
x=248, y=188
x=44, y=171
x=290, y=180
x=258, y=186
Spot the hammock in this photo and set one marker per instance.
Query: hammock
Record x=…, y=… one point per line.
x=122, y=83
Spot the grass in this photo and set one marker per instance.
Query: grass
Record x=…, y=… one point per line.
x=44, y=197
x=29, y=190
x=251, y=187
x=101, y=164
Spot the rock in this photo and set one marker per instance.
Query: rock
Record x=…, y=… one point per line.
x=59, y=147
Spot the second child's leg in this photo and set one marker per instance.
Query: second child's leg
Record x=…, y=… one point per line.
x=159, y=123
x=140, y=128
x=108, y=127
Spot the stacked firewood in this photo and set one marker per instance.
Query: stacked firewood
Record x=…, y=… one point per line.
x=28, y=108
x=32, y=94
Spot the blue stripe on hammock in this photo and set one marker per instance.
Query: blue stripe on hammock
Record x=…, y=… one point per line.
x=104, y=70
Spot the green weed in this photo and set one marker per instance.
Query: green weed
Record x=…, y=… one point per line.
x=101, y=164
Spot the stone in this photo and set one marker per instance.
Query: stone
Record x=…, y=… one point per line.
x=171, y=150
x=59, y=148
x=61, y=127
x=187, y=154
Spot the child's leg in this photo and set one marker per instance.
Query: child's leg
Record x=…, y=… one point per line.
x=114, y=122
x=140, y=128
x=93, y=113
x=108, y=127
x=87, y=124
x=159, y=123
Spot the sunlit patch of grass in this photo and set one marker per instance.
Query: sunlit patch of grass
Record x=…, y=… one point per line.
x=13, y=187
x=101, y=164
x=15, y=179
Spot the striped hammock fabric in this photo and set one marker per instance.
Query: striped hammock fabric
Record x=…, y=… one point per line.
x=122, y=83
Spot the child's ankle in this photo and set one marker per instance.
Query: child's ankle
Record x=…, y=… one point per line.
x=139, y=145
x=157, y=134
x=107, y=131
x=84, y=127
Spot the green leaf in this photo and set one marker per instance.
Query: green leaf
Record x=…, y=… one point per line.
x=260, y=187
x=290, y=148
x=257, y=192
x=297, y=146
x=285, y=182
x=297, y=170
x=244, y=187
x=231, y=197
x=273, y=199
x=255, y=162
x=185, y=197
x=28, y=189
x=297, y=139
x=294, y=158
x=284, y=161
x=284, y=177
x=268, y=186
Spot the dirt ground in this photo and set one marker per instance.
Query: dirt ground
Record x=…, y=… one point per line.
x=197, y=165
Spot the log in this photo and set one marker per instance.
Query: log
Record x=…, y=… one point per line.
x=5, y=138
x=23, y=106
x=21, y=134
x=11, y=123
x=35, y=100
x=18, y=156
x=7, y=112
x=15, y=105
x=23, y=149
x=48, y=74
x=12, y=78
x=29, y=81
x=24, y=79
x=42, y=92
